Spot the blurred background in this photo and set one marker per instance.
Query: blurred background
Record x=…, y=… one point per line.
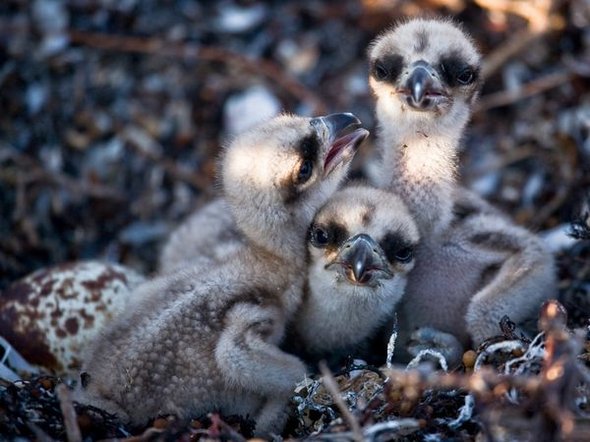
x=112, y=112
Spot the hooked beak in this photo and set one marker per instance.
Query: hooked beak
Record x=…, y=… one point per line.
x=423, y=90
x=418, y=83
x=342, y=134
x=362, y=261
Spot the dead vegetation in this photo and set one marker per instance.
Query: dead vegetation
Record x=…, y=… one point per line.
x=113, y=113
x=514, y=389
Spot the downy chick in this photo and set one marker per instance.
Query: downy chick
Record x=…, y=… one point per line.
x=207, y=237
x=343, y=306
x=473, y=265
x=201, y=340
x=361, y=247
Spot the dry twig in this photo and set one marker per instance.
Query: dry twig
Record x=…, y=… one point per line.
x=36, y=172
x=535, y=87
x=147, y=435
x=494, y=61
x=537, y=13
x=550, y=395
x=223, y=428
x=69, y=413
x=561, y=371
x=332, y=387
x=40, y=435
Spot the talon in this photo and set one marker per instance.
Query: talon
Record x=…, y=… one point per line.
x=429, y=338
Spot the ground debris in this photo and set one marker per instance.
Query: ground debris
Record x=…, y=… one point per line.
x=36, y=408
x=517, y=389
x=112, y=119
x=539, y=383
x=32, y=406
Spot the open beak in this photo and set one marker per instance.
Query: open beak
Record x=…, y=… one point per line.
x=342, y=134
x=362, y=261
x=422, y=89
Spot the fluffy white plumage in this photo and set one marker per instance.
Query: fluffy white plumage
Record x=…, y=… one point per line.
x=473, y=265
x=205, y=339
x=361, y=247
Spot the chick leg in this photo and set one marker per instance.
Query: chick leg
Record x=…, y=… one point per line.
x=428, y=338
x=248, y=355
x=522, y=281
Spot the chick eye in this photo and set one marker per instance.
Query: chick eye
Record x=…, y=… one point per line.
x=404, y=255
x=380, y=71
x=466, y=76
x=319, y=237
x=305, y=171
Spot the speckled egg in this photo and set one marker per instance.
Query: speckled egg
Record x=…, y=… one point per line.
x=51, y=315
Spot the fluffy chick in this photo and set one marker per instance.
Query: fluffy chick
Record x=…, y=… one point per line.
x=473, y=264
x=425, y=77
x=207, y=237
x=361, y=247
x=202, y=340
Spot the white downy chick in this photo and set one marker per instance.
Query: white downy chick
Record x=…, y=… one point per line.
x=361, y=247
x=473, y=265
x=206, y=339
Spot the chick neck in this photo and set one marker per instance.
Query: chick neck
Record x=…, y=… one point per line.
x=419, y=161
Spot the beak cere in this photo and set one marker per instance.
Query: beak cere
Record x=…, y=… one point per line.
x=362, y=260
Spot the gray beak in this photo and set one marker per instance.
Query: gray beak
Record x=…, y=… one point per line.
x=342, y=135
x=419, y=81
x=363, y=260
x=422, y=86
x=333, y=124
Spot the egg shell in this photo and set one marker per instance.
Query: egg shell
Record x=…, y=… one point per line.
x=51, y=315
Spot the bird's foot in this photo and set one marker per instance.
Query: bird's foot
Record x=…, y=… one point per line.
x=428, y=339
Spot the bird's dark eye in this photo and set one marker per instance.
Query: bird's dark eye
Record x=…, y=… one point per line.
x=456, y=72
x=404, y=255
x=466, y=76
x=319, y=237
x=305, y=171
x=380, y=71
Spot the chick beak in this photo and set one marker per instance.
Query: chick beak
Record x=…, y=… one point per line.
x=342, y=134
x=330, y=125
x=419, y=81
x=363, y=261
x=422, y=89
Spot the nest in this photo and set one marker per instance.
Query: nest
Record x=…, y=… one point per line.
x=116, y=112
x=511, y=388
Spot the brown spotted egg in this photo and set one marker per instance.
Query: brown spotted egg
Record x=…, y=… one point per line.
x=51, y=315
